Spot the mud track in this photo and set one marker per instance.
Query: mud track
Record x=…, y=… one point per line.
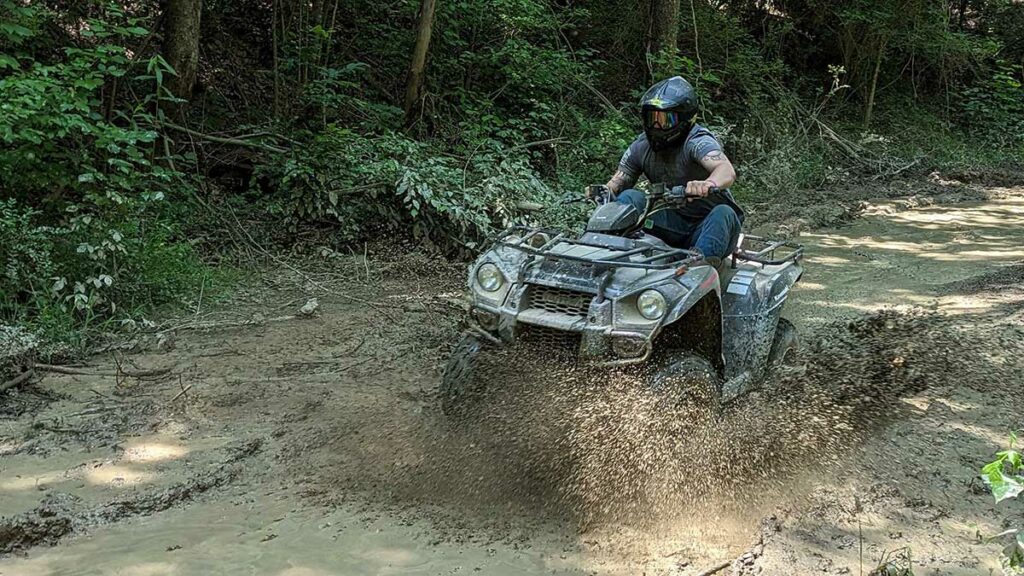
x=295, y=445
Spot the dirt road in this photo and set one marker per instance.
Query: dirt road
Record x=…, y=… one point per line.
x=314, y=446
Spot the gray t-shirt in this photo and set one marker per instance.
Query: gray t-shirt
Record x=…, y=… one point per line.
x=676, y=166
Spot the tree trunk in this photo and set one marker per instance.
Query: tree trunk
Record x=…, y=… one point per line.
x=663, y=26
x=870, y=108
x=181, y=44
x=414, y=87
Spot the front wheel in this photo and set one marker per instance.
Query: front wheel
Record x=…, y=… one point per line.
x=691, y=384
x=459, y=385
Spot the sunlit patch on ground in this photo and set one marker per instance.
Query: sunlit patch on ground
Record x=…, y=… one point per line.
x=152, y=452
x=116, y=476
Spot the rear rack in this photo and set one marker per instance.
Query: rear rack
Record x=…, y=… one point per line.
x=671, y=257
x=762, y=251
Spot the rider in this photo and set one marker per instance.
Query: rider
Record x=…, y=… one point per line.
x=676, y=151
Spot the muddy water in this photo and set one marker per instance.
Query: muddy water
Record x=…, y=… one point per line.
x=269, y=534
x=306, y=505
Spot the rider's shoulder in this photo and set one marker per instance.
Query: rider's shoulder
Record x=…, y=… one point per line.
x=699, y=130
x=640, y=144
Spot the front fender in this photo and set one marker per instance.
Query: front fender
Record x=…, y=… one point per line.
x=699, y=282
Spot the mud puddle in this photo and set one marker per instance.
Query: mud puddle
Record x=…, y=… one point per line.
x=358, y=474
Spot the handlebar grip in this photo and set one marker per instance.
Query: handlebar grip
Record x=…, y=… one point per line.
x=679, y=193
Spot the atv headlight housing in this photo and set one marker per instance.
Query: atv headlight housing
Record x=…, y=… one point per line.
x=489, y=277
x=651, y=305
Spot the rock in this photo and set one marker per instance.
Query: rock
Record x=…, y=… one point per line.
x=310, y=307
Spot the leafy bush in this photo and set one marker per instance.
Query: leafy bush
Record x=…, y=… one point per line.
x=994, y=108
x=392, y=183
x=90, y=172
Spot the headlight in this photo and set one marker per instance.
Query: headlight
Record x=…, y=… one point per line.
x=651, y=305
x=539, y=239
x=489, y=277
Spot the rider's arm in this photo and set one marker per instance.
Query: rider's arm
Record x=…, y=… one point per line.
x=630, y=168
x=620, y=181
x=721, y=174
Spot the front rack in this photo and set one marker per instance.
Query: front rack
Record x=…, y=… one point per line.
x=658, y=259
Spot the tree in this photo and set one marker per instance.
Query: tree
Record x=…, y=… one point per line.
x=413, y=88
x=663, y=27
x=181, y=43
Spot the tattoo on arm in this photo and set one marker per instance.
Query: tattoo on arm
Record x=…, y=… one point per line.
x=716, y=156
x=619, y=182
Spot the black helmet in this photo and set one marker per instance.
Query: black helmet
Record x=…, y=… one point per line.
x=669, y=109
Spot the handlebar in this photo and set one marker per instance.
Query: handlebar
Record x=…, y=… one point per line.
x=601, y=193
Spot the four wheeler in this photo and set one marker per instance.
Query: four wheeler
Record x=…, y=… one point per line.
x=617, y=296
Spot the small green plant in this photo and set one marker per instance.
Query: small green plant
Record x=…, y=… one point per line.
x=1005, y=480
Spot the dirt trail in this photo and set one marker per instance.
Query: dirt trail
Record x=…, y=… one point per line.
x=314, y=446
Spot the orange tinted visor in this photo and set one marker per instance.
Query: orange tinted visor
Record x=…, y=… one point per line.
x=662, y=119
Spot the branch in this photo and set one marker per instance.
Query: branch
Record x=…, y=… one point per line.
x=220, y=140
x=715, y=569
x=558, y=140
x=17, y=380
x=229, y=324
x=85, y=372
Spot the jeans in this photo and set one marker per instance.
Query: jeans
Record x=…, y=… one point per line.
x=715, y=236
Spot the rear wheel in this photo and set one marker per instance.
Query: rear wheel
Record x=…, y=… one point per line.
x=689, y=383
x=459, y=386
x=785, y=344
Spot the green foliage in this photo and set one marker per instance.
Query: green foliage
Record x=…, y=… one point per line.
x=393, y=184
x=1004, y=477
x=84, y=221
x=994, y=107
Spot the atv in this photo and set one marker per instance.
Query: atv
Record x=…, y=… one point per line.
x=617, y=296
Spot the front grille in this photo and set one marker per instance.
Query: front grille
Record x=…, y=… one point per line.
x=550, y=341
x=559, y=300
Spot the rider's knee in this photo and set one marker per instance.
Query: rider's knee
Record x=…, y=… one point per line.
x=635, y=197
x=724, y=213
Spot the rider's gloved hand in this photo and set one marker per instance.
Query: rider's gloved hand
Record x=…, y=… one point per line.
x=700, y=188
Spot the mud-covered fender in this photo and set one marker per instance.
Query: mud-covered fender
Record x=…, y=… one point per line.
x=695, y=321
x=697, y=284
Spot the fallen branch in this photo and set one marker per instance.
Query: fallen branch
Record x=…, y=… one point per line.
x=180, y=394
x=715, y=569
x=900, y=170
x=230, y=323
x=85, y=372
x=222, y=140
x=17, y=380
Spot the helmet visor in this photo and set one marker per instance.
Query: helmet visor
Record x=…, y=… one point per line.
x=661, y=119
